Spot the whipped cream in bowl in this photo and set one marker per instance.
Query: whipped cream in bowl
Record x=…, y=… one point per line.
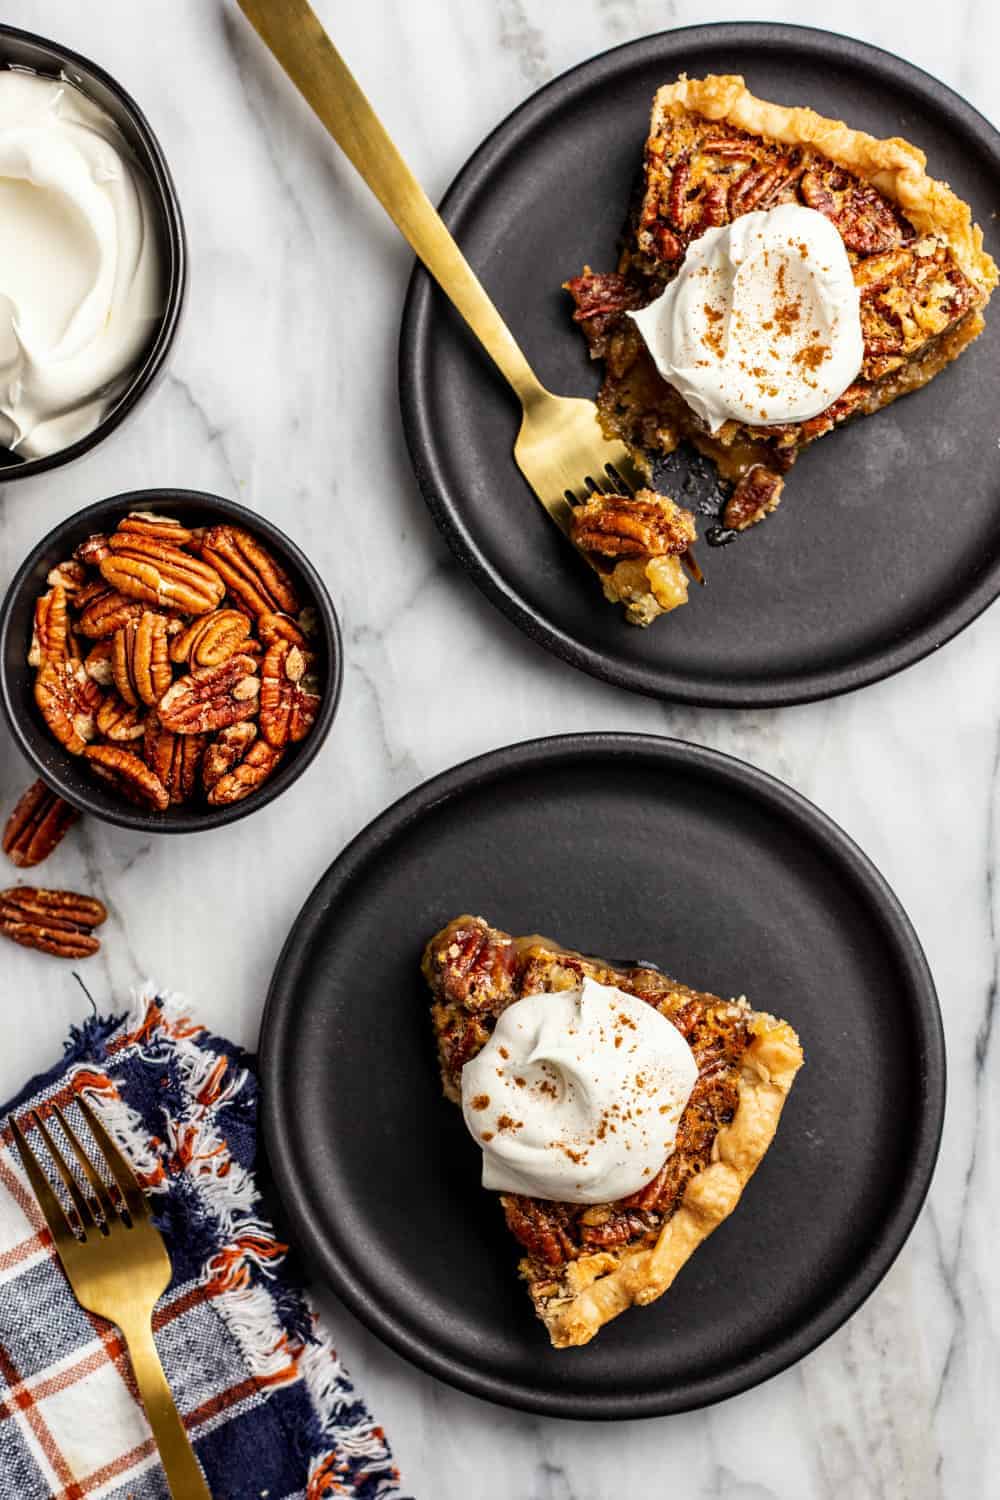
x=762, y=322
x=577, y=1095
x=92, y=255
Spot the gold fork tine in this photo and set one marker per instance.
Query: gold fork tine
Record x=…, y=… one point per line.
x=98, y=1186
x=52, y=1209
x=86, y=1216
x=135, y=1199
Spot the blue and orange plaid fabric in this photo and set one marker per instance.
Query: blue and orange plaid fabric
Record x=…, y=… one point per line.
x=269, y=1408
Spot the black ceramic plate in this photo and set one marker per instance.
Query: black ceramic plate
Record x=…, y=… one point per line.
x=623, y=845
x=839, y=587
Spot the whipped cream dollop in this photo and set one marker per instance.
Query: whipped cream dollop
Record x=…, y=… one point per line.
x=577, y=1095
x=762, y=322
x=81, y=278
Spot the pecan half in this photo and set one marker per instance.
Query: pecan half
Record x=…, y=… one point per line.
x=141, y=659
x=157, y=572
x=868, y=223
x=226, y=751
x=250, y=572
x=50, y=638
x=92, y=549
x=68, y=700
x=175, y=758
x=129, y=776
x=287, y=711
x=118, y=721
x=677, y=197
x=254, y=769
x=759, y=185
x=36, y=825
x=754, y=497
x=211, y=697
x=817, y=195
x=97, y=663
x=473, y=966
x=618, y=1229
x=104, y=610
x=58, y=922
x=714, y=207
x=155, y=528
x=272, y=627
x=599, y=294
x=648, y=525
x=70, y=575
x=537, y=1226
x=211, y=639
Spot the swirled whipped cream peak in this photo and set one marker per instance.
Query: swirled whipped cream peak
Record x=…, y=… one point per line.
x=577, y=1095
x=762, y=323
x=81, y=279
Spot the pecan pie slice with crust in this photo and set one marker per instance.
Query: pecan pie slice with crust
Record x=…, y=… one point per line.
x=716, y=152
x=585, y=1264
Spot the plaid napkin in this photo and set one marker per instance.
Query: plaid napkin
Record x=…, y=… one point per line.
x=270, y=1409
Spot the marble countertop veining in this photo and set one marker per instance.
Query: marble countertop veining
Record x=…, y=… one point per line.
x=264, y=397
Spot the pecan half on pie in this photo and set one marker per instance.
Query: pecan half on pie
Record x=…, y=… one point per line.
x=715, y=153
x=586, y=1261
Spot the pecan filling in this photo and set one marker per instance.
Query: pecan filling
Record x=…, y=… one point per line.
x=918, y=308
x=475, y=972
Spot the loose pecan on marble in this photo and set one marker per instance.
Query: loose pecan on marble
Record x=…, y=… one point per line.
x=58, y=922
x=37, y=824
x=212, y=697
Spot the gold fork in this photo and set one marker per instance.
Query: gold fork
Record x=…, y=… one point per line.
x=560, y=449
x=118, y=1267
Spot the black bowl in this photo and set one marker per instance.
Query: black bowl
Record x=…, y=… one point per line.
x=65, y=773
x=24, y=50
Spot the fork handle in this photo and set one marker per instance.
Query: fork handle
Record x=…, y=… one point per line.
x=184, y=1476
x=293, y=32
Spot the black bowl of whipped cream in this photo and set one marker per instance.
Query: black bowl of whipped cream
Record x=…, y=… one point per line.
x=93, y=261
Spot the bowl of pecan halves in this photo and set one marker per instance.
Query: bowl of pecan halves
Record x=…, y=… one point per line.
x=170, y=660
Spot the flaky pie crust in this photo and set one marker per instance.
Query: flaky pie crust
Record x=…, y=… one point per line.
x=893, y=165
x=640, y=1276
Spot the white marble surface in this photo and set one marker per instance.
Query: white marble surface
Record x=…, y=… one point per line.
x=261, y=402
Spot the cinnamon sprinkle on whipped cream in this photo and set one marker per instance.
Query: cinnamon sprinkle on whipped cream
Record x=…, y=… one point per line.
x=762, y=322
x=585, y=1103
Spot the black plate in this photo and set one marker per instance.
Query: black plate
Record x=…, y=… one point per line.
x=612, y=843
x=839, y=587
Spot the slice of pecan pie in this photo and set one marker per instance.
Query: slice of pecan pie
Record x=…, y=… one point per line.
x=714, y=153
x=584, y=1264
